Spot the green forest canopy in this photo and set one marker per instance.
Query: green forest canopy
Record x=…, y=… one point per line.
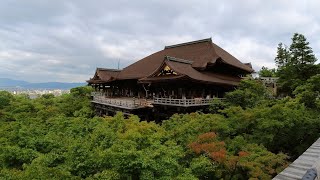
x=250, y=135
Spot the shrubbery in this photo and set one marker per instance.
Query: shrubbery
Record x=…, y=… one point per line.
x=43, y=138
x=248, y=136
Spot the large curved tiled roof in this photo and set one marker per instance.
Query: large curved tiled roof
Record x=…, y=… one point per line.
x=201, y=52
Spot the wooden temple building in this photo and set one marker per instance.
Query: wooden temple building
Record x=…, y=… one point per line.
x=180, y=78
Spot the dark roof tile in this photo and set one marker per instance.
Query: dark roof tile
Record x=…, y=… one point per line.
x=104, y=75
x=186, y=70
x=200, y=52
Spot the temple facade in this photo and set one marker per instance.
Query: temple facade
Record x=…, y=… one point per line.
x=180, y=78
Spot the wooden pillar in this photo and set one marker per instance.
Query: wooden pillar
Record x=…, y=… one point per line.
x=111, y=89
x=184, y=96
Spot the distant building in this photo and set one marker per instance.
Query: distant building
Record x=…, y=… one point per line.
x=180, y=78
x=270, y=83
x=35, y=93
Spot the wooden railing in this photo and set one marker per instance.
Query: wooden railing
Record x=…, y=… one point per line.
x=134, y=103
x=184, y=102
x=97, y=94
x=122, y=103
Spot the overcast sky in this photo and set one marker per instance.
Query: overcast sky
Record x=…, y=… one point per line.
x=65, y=40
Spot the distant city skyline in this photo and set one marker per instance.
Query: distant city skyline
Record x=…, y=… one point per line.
x=6, y=84
x=64, y=41
x=35, y=93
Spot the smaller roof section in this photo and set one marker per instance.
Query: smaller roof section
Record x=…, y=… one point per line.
x=174, y=59
x=174, y=68
x=249, y=65
x=230, y=59
x=103, y=75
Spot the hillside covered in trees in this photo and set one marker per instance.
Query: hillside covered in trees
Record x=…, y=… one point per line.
x=250, y=134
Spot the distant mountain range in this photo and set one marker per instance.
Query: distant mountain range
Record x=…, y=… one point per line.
x=11, y=83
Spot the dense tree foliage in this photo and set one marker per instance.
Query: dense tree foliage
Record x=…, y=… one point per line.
x=58, y=138
x=266, y=72
x=249, y=135
x=249, y=94
x=296, y=64
x=309, y=93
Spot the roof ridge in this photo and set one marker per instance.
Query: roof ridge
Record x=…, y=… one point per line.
x=170, y=58
x=188, y=43
x=106, y=69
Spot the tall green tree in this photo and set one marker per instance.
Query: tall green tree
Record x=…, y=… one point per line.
x=301, y=52
x=295, y=64
x=283, y=55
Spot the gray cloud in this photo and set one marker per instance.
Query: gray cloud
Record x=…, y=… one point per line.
x=42, y=40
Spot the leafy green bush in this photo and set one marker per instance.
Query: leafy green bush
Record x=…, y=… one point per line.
x=58, y=138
